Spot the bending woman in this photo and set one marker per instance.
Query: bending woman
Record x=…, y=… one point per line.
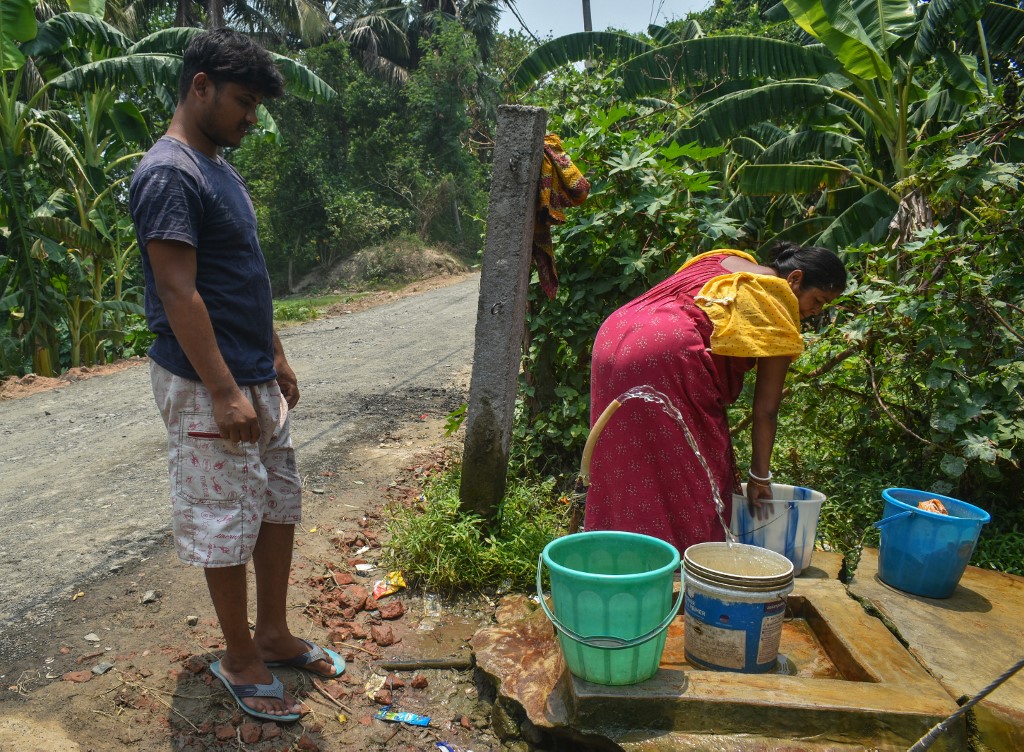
x=693, y=337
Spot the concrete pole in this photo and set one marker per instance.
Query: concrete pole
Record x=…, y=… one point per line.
x=501, y=311
x=587, y=25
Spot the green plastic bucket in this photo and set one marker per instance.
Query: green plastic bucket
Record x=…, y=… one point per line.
x=612, y=602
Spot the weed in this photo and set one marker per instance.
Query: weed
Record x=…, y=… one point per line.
x=440, y=547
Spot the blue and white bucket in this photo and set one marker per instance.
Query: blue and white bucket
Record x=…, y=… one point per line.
x=789, y=525
x=735, y=606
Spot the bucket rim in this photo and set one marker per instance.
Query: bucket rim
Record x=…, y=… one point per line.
x=983, y=516
x=754, y=583
x=554, y=566
x=821, y=498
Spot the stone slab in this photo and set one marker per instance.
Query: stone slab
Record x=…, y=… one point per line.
x=883, y=699
x=965, y=641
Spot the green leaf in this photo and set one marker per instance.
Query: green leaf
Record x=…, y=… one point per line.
x=836, y=24
x=730, y=57
x=302, y=82
x=807, y=145
x=736, y=112
x=866, y=221
x=1004, y=31
x=574, y=48
x=943, y=18
x=80, y=30
x=776, y=179
x=91, y=7
x=952, y=466
x=17, y=24
x=146, y=70
x=171, y=41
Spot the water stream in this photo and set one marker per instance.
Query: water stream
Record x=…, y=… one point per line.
x=649, y=394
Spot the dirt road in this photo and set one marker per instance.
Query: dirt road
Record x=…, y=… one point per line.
x=84, y=487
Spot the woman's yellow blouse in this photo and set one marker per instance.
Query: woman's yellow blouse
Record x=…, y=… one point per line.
x=753, y=315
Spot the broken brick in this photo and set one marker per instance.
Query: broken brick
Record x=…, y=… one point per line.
x=224, y=732
x=353, y=596
x=393, y=682
x=419, y=682
x=195, y=664
x=392, y=610
x=382, y=697
x=250, y=732
x=307, y=744
x=79, y=677
x=383, y=635
x=270, y=730
x=343, y=578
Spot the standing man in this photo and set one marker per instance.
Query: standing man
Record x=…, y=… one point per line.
x=220, y=377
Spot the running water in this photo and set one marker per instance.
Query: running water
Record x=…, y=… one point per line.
x=648, y=393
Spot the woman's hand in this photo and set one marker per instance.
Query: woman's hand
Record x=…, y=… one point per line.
x=759, y=500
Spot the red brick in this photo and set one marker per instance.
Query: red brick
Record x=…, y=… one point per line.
x=382, y=697
x=343, y=578
x=79, y=677
x=307, y=744
x=392, y=610
x=393, y=682
x=251, y=732
x=270, y=730
x=224, y=732
x=383, y=635
x=419, y=682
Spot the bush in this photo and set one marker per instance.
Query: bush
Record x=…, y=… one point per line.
x=439, y=547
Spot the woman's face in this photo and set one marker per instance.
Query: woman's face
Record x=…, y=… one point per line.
x=811, y=299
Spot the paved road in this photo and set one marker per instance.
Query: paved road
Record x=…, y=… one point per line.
x=83, y=484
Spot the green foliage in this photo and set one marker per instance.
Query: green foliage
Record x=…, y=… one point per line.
x=649, y=209
x=437, y=546
x=374, y=162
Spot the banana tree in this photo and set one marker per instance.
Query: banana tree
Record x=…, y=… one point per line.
x=887, y=74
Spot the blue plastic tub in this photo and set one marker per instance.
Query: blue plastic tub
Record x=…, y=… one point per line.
x=925, y=553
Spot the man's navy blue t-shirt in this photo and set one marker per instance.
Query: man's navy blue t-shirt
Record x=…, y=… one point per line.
x=178, y=193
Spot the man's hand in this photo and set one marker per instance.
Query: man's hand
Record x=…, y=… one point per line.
x=288, y=383
x=236, y=418
x=285, y=375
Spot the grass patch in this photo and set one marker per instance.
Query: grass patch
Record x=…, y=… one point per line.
x=298, y=310
x=439, y=547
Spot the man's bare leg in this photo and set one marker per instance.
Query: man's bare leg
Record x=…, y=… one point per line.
x=242, y=662
x=272, y=560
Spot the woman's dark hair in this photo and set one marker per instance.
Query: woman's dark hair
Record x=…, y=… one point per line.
x=822, y=268
x=227, y=56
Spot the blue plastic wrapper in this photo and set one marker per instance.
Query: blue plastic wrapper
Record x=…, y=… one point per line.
x=385, y=714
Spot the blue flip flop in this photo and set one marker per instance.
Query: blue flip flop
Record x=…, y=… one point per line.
x=314, y=654
x=275, y=690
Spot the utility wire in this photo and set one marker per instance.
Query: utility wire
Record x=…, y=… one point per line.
x=511, y=5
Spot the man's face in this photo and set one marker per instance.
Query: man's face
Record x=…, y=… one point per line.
x=229, y=113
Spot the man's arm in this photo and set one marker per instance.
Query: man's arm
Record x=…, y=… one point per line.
x=174, y=271
x=285, y=375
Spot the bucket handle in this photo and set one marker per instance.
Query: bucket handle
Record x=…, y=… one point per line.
x=886, y=520
x=606, y=641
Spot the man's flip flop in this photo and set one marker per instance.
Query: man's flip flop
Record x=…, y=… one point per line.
x=314, y=654
x=274, y=690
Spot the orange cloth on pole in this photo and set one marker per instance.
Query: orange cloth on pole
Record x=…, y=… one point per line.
x=561, y=185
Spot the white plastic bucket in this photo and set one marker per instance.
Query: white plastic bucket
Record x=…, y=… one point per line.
x=735, y=606
x=789, y=529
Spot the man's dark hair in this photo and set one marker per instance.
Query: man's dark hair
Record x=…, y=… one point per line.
x=822, y=268
x=227, y=56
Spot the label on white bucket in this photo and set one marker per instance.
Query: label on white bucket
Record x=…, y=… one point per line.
x=717, y=646
x=732, y=634
x=771, y=632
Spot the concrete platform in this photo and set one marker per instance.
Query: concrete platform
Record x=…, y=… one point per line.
x=860, y=682
x=965, y=641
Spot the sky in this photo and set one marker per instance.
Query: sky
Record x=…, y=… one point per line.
x=559, y=17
